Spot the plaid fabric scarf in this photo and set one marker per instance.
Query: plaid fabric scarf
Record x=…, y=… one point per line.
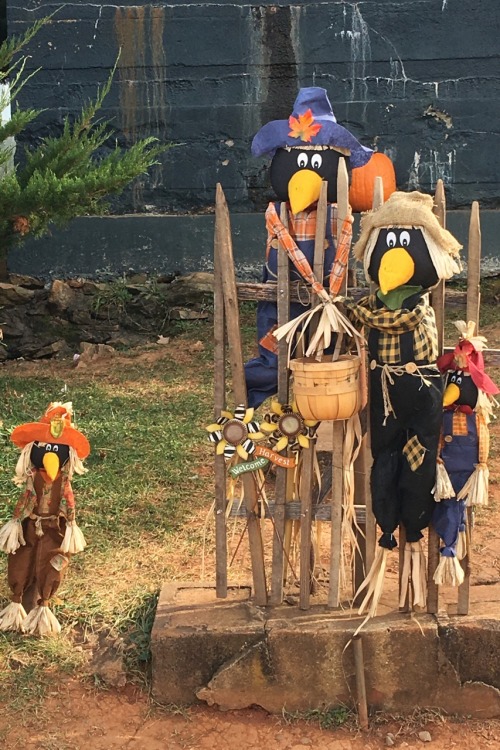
x=391, y=324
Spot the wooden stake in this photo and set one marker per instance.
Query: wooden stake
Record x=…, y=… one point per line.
x=307, y=479
x=473, y=306
x=437, y=300
x=359, y=666
x=239, y=388
x=338, y=427
x=306, y=485
x=438, y=293
x=280, y=494
x=474, y=266
x=219, y=405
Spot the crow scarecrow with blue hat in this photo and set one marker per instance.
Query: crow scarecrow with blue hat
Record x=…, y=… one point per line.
x=462, y=470
x=42, y=534
x=405, y=252
x=305, y=150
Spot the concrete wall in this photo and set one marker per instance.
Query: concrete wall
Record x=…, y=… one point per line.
x=418, y=79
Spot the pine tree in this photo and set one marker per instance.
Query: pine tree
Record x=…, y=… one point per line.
x=62, y=177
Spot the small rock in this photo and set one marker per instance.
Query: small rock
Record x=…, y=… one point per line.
x=305, y=741
x=28, y=282
x=163, y=340
x=183, y=313
x=389, y=739
x=425, y=736
x=198, y=346
x=18, y=661
x=56, y=347
x=61, y=295
x=14, y=295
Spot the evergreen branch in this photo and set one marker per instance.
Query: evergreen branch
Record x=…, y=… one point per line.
x=48, y=198
x=17, y=123
x=14, y=44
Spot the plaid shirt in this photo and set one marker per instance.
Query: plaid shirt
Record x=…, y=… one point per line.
x=460, y=428
x=302, y=228
x=391, y=324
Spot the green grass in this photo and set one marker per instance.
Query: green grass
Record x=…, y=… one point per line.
x=145, y=422
x=328, y=717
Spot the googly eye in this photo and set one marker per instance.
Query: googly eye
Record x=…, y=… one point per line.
x=391, y=239
x=55, y=449
x=48, y=447
x=316, y=161
x=302, y=160
x=458, y=381
x=404, y=239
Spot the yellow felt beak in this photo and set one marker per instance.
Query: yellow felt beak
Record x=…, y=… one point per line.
x=51, y=464
x=396, y=268
x=451, y=394
x=303, y=189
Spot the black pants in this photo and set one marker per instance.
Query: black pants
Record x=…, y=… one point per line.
x=400, y=495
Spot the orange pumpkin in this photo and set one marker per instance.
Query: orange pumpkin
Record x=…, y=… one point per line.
x=363, y=181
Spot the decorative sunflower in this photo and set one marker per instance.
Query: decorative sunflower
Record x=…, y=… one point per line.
x=286, y=428
x=235, y=433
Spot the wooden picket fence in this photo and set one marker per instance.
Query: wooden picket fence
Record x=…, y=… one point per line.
x=269, y=584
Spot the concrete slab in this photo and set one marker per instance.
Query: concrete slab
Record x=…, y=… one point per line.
x=234, y=655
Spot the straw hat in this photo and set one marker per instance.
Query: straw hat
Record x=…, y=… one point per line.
x=411, y=211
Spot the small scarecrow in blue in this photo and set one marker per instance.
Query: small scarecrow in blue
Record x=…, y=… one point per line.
x=405, y=252
x=462, y=470
x=305, y=150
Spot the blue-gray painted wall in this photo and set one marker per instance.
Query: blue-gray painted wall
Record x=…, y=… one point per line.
x=417, y=79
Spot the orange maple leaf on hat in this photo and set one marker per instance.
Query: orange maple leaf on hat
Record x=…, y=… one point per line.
x=304, y=126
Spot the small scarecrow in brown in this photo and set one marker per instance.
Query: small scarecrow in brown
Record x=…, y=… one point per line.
x=42, y=534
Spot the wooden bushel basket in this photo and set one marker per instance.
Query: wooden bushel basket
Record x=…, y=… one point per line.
x=326, y=389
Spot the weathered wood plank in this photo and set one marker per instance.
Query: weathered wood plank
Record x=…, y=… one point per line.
x=283, y=300
x=473, y=308
x=232, y=316
x=438, y=303
x=254, y=292
x=338, y=427
x=308, y=455
x=219, y=404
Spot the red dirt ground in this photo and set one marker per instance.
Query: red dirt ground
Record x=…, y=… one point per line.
x=75, y=718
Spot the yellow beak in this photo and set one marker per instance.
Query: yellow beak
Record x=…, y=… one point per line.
x=51, y=464
x=303, y=189
x=396, y=268
x=451, y=394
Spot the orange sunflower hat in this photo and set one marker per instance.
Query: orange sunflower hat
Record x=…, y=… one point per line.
x=54, y=427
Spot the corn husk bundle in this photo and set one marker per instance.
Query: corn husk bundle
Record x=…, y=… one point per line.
x=41, y=621
x=449, y=572
x=11, y=536
x=12, y=617
x=328, y=319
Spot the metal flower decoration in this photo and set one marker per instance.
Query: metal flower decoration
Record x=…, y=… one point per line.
x=286, y=428
x=235, y=433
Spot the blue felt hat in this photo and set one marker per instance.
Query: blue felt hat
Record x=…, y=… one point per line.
x=323, y=130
